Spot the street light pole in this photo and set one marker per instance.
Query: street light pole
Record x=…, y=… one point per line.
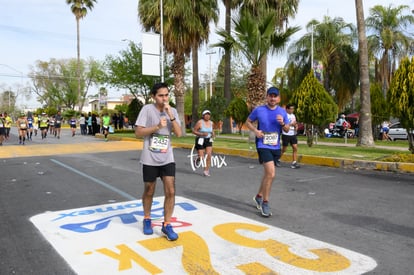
x=162, y=40
x=312, y=29
x=211, y=77
x=312, y=47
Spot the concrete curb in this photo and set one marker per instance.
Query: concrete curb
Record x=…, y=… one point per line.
x=307, y=159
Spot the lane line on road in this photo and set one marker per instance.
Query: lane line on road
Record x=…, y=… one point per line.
x=102, y=183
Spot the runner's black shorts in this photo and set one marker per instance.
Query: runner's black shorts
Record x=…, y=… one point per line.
x=151, y=173
x=207, y=143
x=286, y=140
x=266, y=155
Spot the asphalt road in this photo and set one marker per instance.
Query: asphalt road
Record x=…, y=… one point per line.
x=368, y=212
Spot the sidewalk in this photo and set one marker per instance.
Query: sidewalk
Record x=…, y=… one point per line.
x=327, y=161
x=327, y=143
x=315, y=160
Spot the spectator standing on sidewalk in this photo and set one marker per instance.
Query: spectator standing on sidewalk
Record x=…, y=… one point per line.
x=121, y=121
x=115, y=120
x=7, y=127
x=356, y=127
x=82, y=124
x=2, y=128
x=95, y=127
x=155, y=123
x=89, y=123
x=271, y=121
x=290, y=137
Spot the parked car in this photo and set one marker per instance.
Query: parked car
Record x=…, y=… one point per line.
x=397, y=132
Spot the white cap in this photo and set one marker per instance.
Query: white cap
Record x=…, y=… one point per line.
x=205, y=112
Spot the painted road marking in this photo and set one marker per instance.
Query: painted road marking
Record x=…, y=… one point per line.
x=108, y=239
x=14, y=151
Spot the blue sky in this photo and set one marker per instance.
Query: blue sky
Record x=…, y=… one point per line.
x=32, y=30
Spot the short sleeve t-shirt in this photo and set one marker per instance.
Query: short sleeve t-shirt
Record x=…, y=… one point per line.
x=148, y=117
x=292, y=119
x=268, y=124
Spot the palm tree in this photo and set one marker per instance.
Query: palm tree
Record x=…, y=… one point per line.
x=365, y=123
x=332, y=42
x=255, y=38
x=183, y=29
x=229, y=6
x=79, y=8
x=388, y=39
x=283, y=9
x=207, y=11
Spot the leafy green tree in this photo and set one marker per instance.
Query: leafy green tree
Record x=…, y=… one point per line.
x=333, y=39
x=238, y=110
x=55, y=82
x=314, y=105
x=401, y=97
x=217, y=106
x=68, y=114
x=80, y=9
x=239, y=73
x=8, y=101
x=133, y=110
x=122, y=108
x=379, y=107
x=125, y=72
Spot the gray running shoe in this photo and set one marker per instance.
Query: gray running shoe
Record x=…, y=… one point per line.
x=266, y=210
x=258, y=202
x=295, y=165
x=278, y=164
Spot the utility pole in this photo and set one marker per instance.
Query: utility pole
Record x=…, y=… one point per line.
x=210, y=73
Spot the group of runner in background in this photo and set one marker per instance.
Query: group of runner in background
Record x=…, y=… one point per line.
x=32, y=124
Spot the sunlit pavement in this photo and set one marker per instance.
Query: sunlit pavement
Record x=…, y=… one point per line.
x=68, y=145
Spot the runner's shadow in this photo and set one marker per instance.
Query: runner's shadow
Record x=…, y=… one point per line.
x=215, y=200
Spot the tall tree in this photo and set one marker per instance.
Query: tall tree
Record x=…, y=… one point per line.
x=181, y=31
x=255, y=38
x=332, y=43
x=365, y=121
x=55, y=81
x=283, y=9
x=390, y=37
x=314, y=105
x=124, y=71
x=80, y=9
x=208, y=12
x=401, y=98
x=229, y=6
